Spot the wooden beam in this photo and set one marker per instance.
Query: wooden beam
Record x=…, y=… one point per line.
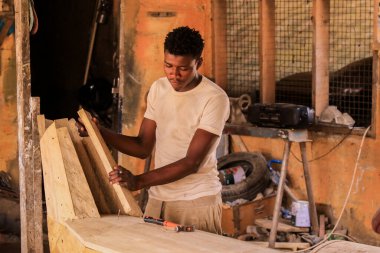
x=375, y=124
x=320, y=65
x=267, y=51
x=99, y=195
x=58, y=200
x=220, y=43
x=81, y=196
x=282, y=227
x=129, y=204
x=68, y=194
x=37, y=178
x=25, y=128
x=113, y=205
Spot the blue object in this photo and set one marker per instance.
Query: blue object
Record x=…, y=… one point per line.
x=275, y=175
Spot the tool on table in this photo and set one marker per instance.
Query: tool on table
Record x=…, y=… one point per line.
x=168, y=224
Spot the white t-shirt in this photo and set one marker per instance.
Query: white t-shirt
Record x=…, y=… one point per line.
x=178, y=115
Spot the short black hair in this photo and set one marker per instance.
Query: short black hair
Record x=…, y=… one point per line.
x=184, y=41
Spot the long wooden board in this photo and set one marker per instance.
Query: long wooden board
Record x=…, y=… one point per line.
x=101, y=199
x=128, y=203
x=81, y=196
x=88, y=169
x=130, y=234
x=113, y=202
x=68, y=195
x=282, y=227
x=58, y=199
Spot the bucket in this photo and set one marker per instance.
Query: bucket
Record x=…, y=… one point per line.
x=232, y=175
x=300, y=214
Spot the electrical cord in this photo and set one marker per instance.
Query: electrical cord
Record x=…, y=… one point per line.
x=328, y=152
x=347, y=197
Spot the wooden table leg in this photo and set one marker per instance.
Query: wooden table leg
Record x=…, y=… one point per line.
x=280, y=193
x=309, y=188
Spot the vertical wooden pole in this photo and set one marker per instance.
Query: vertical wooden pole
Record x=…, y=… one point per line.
x=220, y=43
x=267, y=51
x=25, y=131
x=37, y=178
x=376, y=70
x=320, y=65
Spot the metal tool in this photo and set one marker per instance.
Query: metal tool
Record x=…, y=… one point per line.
x=170, y=225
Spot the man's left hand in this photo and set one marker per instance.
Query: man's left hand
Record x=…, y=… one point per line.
x=123, y=177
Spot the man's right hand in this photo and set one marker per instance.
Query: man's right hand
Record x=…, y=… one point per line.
x=82, y=129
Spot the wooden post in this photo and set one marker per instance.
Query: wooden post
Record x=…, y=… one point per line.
x=376, y=70
x=267, y=51
x=37, y=177
x=25, y=131
x=220, y=43
x=320, y=65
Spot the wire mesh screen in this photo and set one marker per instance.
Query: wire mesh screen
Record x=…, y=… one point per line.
x=293, y=51
x=351, y=58
x=242, y=48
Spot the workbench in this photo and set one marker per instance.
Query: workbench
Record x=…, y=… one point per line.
x=289, y=136
x=121, y=234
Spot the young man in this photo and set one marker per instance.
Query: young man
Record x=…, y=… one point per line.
x=184, y=119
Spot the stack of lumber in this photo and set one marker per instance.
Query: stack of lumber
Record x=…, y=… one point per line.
x=76, y=171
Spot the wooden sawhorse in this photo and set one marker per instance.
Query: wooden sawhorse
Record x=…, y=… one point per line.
x=289, y=135
x=300, y=136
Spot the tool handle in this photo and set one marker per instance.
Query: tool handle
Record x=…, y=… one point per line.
x=170, y=224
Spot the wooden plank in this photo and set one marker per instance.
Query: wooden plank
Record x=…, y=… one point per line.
x=267, y=51
x=41, y=125
x=50, y=205
x=130, y=234
x=129, y=204
x=113, y=202
x=99, y=195
x=24, y=129
x=37, y=178
x=58, y=200
x=320, y=65
x=61, y=240
x=83, y=203
x=282, y=227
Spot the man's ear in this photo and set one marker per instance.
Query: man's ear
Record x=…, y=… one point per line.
x=199, y=62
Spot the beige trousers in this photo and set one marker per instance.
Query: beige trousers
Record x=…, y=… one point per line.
x=205, y=212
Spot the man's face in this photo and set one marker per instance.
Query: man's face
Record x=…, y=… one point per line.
x=181, y=70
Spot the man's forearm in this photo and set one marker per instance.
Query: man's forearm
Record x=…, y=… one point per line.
x=167, y=174
x=126, y=144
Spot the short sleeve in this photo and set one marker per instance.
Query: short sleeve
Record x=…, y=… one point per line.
x=151, y=101
x=215, y=114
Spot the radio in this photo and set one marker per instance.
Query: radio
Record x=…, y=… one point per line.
x=280, y=115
